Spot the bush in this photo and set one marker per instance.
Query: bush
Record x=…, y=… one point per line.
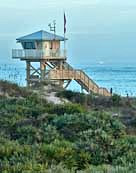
x=12, y=89
x=50, y=134
x=59, y=152
x=68, y=108
x=27, y=134
x=116, y=100
x=93, y=120
x=92, y=133
x=72, y=96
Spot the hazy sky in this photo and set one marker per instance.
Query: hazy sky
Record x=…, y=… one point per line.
x=98, y=30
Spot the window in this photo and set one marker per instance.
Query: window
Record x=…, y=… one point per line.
x=29, y=45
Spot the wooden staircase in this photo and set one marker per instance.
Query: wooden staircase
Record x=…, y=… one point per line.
x=68, y=73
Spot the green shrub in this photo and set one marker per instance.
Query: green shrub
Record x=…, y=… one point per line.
x=27, y=134
x=11, y=150
x=59, y=152
x=68, y=108
x=50, y=134
x=12, y=89
x=93, y=121
x=75, y=97
x=92, y=133
x=116, y=99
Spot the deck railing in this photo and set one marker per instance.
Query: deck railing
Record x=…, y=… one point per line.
x=38, y=54
x=80, y=77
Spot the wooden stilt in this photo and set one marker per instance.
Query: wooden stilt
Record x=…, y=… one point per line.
x=82, y=89
x=68, y=84
x=28, y=73
x=42, y=67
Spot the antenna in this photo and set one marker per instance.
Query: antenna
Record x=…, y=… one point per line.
x=53, y=27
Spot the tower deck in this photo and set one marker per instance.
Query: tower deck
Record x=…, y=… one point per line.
x=35, y=54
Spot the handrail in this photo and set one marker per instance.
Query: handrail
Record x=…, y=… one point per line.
x=84, y=74
x=82, y=77
x=104, y=89
x=37, y=53
x=89, y=78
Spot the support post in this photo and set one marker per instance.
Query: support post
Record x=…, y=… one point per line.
x=82, y=89
x=42, y=67
x=61, y=83
x=28, y=73
x=67, y=84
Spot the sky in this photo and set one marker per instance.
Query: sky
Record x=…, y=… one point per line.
x=97, y=30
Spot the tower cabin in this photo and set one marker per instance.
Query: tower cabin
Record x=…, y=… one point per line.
x=45, y=49
x=42, y=47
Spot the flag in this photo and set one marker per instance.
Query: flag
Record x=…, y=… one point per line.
x=64, y=23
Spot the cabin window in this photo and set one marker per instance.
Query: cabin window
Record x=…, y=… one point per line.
x=29, y=45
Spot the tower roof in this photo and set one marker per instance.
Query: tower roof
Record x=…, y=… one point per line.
x=41, y=36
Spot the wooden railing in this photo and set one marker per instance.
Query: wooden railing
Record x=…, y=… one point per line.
x=102, y=91
x=38, y=54
x=81, y=78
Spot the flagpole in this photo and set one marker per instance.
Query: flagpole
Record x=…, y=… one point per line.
x=64, y=34
x=64, y=41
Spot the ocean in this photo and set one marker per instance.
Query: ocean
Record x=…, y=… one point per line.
x=120, y=77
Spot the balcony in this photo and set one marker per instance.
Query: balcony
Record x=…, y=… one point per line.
x=34, y=54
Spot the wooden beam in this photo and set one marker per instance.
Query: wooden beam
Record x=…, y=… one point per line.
x=49, y=65
x=42, y=68
x=28, y=64
x=35, y=70
x=67, y=84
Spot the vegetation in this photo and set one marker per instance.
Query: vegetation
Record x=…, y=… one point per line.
x=80, y=136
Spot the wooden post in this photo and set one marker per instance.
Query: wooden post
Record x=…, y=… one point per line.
x=61, y=65
x=61, y=81
x=82, y=89
x=28, y=73
x=42, y=67
x=88, y=86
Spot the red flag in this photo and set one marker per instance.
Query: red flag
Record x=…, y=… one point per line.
x=64, y=23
